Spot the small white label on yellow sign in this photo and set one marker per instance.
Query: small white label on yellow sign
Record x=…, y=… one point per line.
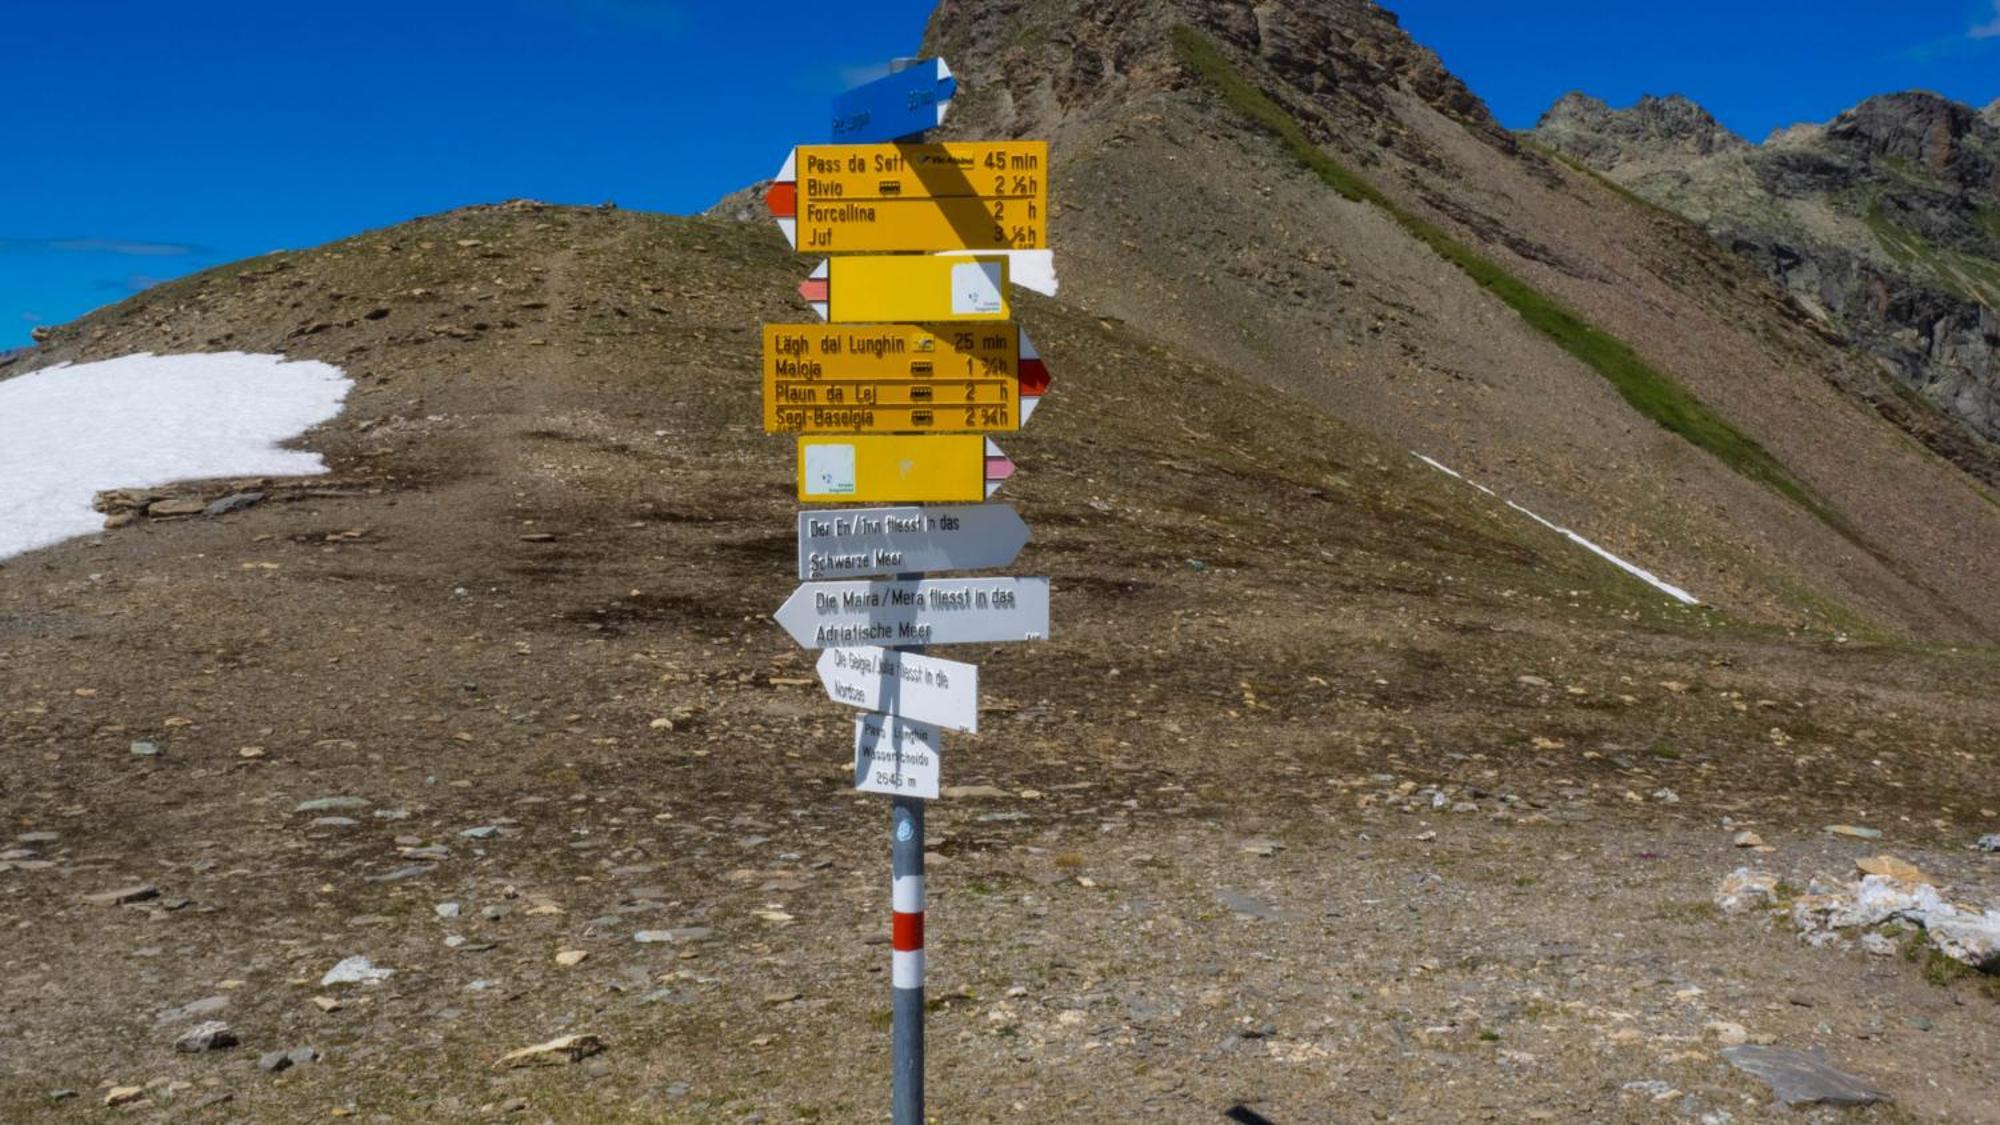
x=893, y=468
x=828, y=470
x=913, y=288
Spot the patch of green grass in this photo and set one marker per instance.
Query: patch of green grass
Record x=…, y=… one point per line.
x=1649, y=390
x=1944, y=971
x=1489, y=1036
x=1988, y=219
x=1966, y=276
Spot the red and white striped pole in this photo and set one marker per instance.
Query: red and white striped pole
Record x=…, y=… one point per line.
x=906, y=940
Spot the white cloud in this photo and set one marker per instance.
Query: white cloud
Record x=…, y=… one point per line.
x=1991, y=28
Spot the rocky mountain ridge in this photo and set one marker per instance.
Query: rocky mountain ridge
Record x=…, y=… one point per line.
x=1884, y=224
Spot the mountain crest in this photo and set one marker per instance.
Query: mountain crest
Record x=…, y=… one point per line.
x=1592, y=131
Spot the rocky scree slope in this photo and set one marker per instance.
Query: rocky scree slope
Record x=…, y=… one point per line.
x=1301, y=194
x=1883, y=223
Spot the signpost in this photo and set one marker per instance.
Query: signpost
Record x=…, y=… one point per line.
x=942, y=693
x=917, y=611
x=860, y=542
x=904, y=104
x=892, y=400
x=900, y=378
x=904, y=198
x=905, y=287
x=895, y=756
x=875, y=468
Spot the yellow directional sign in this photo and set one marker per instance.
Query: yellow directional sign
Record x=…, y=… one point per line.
x=915, y=287
x=892, y=468
x=891, y=378
x=982, y=195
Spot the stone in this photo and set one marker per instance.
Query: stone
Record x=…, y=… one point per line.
x=1265, y=848
x=326, y=1004
x=355, y=970
x=206, y=1006
x=677, y=934
x=966, y=792
x=1802, y=1077
x=123, y=1095
x=331, y=804
x=334, y=822
x=1748, y=839
x=1990, y=843
x=176, y=506
x=1239, y=903
x=1973, y=939
x=212, y=1035
x=1891, y=867
x=1744, y=890
x=121, y=896
x=565, y=1049
x=234, y=502
x=1877, y=945
x=402, y=873
x=1531, y=681
x=569, y=957
x=483, y=832
x=1854, y=831
x=277, y=1062
x=146, y=749
x=446, y=909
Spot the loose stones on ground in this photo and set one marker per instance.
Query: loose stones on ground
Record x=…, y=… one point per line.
x=212, y=1035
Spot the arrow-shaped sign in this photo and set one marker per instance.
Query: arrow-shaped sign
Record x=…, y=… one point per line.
x=891, y=468
x=902, y=288
x=943, y=693
x=869, y=199
x=899, y=378
x=920, y=611
x=898, y=107
x=863, y=542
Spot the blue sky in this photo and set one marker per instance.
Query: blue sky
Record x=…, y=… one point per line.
x=152, y=139
x=1756, y=64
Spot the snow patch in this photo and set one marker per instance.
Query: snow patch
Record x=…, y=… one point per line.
x=1642, y=574
x=70, y=431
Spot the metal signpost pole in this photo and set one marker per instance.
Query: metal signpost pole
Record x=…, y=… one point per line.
x=906, y=1047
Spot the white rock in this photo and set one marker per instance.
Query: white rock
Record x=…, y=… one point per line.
x=356, y=970
x=1973, y=939
x=1743, y=890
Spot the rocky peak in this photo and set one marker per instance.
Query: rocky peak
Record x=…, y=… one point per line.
x=1589, y=130
x=1029, y=66
x=1944, y=137
x=1992, y=113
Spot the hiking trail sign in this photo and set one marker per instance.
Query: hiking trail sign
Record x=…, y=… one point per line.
x=943, y=693
x=891, y=401
x=914, y=198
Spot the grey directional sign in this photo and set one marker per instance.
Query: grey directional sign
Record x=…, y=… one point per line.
x=943, y=693
x=859, y=542
x=922, y=611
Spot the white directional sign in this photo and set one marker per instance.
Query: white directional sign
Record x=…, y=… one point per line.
x=895, y=756
x=943, y=693
x=924, y=611
x=858, y=542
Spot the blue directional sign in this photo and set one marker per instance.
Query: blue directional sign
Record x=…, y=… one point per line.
x=904, y=104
